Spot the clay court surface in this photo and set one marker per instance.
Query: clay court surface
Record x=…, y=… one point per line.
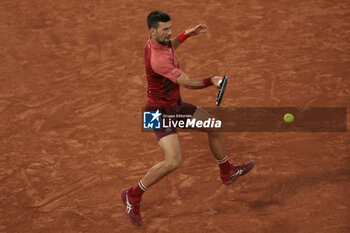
x=72, y=86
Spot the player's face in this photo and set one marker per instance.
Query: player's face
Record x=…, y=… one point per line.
x=163, y=32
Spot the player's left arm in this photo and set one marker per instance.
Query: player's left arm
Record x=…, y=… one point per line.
x=197, y=30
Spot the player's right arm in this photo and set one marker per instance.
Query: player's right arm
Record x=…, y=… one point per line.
x=163, y=66
x=197, y=83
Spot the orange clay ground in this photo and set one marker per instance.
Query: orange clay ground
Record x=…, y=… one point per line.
x=72, y=86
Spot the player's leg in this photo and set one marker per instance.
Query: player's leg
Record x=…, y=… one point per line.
x=132, y=197
x=228, y=172
x=171, y=149
x=216, y=138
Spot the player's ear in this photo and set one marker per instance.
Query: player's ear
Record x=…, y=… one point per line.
x=152, y=31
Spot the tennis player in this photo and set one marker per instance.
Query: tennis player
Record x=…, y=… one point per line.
x=164, y=78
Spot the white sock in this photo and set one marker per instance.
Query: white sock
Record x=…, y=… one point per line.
x=222, y=160
x=142, y=186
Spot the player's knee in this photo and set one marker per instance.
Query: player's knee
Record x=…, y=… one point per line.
x=177, y=163
x=170, y=166
x=173, y=163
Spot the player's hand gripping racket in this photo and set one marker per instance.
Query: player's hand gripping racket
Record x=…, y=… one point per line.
x=222, y=87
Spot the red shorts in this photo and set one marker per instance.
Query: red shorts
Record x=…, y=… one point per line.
x=181, y=111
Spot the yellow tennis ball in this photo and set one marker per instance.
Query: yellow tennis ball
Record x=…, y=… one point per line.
x=288, y=117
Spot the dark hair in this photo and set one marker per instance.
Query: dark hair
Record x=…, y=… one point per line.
x=157, y=16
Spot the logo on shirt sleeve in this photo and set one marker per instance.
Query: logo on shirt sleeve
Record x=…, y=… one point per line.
x=151, y=120
x=173, y=72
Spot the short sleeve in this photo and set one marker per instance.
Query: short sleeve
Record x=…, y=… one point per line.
x=163, y=66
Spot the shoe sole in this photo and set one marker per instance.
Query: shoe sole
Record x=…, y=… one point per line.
x=124, y=202
x=236, y=177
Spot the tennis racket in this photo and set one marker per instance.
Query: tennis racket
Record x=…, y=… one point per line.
x=222, y=87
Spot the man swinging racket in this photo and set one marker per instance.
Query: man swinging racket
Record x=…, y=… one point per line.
x=164, y=79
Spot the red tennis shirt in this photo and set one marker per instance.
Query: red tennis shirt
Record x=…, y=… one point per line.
x=162, y=70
